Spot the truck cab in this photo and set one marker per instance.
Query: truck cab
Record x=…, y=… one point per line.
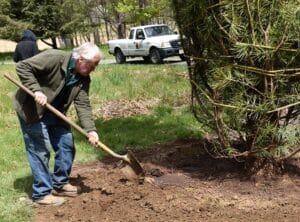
x=152, y=42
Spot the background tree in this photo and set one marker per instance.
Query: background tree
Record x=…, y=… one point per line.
x=75, y=21
x=9, y=25
x=142, y=12
x=79, y=22
x=47, y=18
x=245, y=74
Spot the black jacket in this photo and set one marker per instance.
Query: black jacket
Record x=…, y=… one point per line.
x=27, y=47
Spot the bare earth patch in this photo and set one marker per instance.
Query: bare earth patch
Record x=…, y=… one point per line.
x=125, y=108
x=189, y=186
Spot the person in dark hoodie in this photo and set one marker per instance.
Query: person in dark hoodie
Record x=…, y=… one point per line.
x=27, y=47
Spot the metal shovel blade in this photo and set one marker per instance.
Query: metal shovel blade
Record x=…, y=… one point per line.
x=135, y=165
x=132, y=169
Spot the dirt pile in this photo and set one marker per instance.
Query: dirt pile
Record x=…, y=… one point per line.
x=189, y=186
x=125, y=108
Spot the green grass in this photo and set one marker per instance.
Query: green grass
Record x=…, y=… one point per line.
x=104, y=50
x=168, y=120
x=6, y=56
x=141, y=81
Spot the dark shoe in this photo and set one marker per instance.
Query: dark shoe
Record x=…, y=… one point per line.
x=67, y=190
x=50, y=200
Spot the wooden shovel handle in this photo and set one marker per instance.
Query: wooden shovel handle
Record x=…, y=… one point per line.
x=63, y=117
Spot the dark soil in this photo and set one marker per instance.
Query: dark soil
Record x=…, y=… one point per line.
x=188, y=185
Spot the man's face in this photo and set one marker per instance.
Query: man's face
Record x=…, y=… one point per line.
x=84, y=67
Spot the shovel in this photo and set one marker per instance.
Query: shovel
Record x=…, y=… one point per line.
x=132, y=169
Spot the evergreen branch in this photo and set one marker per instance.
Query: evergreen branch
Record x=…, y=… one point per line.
x=283, y=71
x=269, y=24
x=284, y=107
x=218, y=104
x=219, y=59
x=256, y=70
x=290, y=155
x=236, y=155
x=259, y=17
x=220, y=154
x=250, y=22
x=220, y=26
x=281, y=42
x=247, y=85
x=271, y=73
x=216, y=5
x=266, y=47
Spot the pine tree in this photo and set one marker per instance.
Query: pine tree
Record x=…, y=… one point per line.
x=245, y=73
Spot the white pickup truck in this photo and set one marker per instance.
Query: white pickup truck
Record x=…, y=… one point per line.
x=152, y=42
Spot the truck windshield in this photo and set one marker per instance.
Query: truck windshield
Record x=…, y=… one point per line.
x=158, y=30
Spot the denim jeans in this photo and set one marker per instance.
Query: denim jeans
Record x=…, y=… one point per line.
x=39, y=137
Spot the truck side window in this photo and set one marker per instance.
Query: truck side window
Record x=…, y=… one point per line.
x=131, y=34
x=140, y=34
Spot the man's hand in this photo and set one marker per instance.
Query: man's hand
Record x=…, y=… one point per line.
x=93, y=137
x=40, y=98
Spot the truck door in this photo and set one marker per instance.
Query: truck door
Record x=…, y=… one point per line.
x=140, y=43
x=130, y=44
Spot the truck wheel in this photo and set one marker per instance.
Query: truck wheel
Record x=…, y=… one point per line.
x=155, y=56
x=183, y=57
x=120, y=58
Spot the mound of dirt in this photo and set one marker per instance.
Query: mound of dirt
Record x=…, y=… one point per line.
x=125, y=108
x=188, y=186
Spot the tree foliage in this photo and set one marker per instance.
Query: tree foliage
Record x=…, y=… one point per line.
x=48, y=19
x=142, y=11
x=9, y=27
x=245, y=73
x=76, y=17
x=69, y=19
x=46, y=16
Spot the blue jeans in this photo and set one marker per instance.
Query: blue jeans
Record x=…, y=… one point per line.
x=39, y=137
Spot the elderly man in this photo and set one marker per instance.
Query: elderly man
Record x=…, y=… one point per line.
x=59, y=78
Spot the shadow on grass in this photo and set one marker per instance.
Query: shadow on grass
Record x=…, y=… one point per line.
x=6, y=56
x=24, y=185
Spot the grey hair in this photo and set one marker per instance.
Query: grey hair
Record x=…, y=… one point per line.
x=87, y=50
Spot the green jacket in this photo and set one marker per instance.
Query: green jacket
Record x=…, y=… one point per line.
x=46, y=72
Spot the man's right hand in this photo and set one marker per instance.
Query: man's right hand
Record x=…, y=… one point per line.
x=40, y=98
x=93, y=137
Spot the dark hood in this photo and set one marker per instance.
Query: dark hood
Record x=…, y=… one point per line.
x=28, y=36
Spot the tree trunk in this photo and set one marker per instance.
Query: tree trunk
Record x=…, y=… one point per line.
x=120, y=26
x=54, y=43
x=107, y=31
x=96, y=37
x=76, y=39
